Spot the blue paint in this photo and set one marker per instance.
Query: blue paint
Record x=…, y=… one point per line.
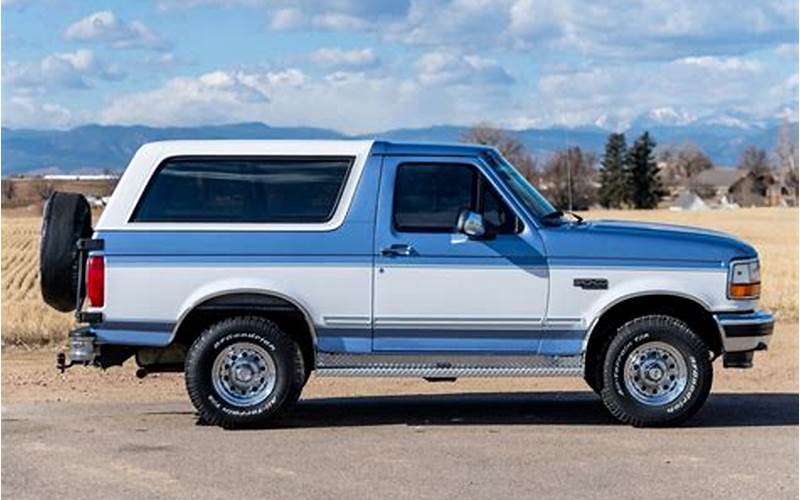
x=367, y=229
x=257, y=261
x=561, y=342
x=630, y=243
x=355, y=340
x=133, y=337
x=399, y=148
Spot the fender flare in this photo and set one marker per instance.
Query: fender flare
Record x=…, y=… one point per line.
x=642, y=294
x=248, y=291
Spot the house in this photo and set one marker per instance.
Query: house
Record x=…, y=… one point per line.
x=714, y=184
x=756, y=190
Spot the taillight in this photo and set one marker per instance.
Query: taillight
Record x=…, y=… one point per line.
x=96, y=281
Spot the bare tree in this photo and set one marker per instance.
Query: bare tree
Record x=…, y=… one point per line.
x=43, y=188
x=9, y=189
x=569, y=179
x=509, y=146
x=754, y=160
x=786, y=154
x=754, y=188
x=681, y=164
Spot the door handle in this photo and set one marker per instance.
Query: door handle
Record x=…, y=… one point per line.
x=398, y=250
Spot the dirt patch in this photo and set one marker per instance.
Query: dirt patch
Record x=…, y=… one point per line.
x=31, y=376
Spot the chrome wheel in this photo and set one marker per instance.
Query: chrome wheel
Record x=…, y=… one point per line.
x=244, y=374
x=655, y=374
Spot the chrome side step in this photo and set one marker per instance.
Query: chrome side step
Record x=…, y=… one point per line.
x=433, y=365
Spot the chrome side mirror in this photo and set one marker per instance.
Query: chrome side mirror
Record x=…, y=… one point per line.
x=471, y=224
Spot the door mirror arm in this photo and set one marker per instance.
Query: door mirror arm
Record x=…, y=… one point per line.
x=471, y=224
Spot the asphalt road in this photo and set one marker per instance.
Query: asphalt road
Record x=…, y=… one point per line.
x=440, y=446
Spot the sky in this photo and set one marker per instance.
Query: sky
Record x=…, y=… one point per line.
x=364, y=66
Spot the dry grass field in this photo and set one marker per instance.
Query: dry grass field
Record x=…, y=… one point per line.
x=27, y=321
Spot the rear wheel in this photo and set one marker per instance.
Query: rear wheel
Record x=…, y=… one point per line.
x=243, y=371
x=656, y=372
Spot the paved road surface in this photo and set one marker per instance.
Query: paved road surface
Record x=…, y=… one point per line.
x=453, y=446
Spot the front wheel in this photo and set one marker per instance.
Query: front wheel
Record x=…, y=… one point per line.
x=656, y=372
x=243, y=371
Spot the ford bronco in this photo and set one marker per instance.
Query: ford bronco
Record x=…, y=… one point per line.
x=248, y=265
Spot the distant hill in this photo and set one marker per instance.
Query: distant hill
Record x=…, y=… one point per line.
x=95, y=148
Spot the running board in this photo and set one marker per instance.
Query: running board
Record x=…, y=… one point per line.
x=432, y=365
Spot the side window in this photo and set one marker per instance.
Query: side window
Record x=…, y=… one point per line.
x=247, y=189
x=429, y=197
x=496, y=213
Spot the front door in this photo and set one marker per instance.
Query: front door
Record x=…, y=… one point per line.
x=436, y=289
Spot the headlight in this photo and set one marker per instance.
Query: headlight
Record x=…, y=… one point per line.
x=744, y=280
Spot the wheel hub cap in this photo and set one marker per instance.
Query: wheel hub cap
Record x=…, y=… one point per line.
x=243, y=374
x=655, y=373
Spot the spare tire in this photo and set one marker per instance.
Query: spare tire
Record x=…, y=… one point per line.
x=67, y=218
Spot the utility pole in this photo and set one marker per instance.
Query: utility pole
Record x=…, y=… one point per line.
x=569, y=178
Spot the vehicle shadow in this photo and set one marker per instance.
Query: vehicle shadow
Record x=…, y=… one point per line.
x=547, y=408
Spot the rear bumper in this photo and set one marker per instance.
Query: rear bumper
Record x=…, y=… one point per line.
x=745, y=332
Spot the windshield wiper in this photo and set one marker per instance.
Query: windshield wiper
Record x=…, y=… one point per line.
x=578, y=218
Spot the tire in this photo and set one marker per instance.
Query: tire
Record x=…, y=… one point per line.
x=67, y=218
x=656, y=372
x=243, y=371
x=593, y=375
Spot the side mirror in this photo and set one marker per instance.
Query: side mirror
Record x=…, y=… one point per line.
x=471, y=224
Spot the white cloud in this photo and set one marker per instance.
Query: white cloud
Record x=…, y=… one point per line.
x=615, y=28
x=451, y=22
x=451, y=68
x=652, y=30
x=349, y=101
x=685, y=88
x=733, y=64
x=338, y=21
x=76, y=70
x=105, y=26
x=286, y=19
x=338, y=58
x=26, y=112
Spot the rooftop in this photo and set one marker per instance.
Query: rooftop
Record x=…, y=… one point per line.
x=719, y=176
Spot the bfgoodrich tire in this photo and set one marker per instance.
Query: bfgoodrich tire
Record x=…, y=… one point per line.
x=243, y=371
x=67, y=217
x=656, y=372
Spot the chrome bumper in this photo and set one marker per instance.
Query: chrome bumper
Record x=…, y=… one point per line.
x=745, y=332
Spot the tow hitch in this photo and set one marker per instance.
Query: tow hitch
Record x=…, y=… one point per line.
x=81, y=349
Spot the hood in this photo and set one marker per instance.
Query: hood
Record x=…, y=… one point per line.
x=643, y=241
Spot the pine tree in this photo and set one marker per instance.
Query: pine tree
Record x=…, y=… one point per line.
x=645, y=185
x=613, y=174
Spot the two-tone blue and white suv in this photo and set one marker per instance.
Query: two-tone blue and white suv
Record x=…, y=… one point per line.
x=251, y=264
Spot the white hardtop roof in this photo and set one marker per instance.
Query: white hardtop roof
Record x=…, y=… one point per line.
x=144, y=163
x=257, y=147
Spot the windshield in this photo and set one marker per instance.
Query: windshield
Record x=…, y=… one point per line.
x=525, y=193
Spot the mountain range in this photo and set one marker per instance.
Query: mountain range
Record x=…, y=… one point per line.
x=97, y=148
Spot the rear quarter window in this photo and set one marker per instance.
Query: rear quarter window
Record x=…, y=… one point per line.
x=244, y=190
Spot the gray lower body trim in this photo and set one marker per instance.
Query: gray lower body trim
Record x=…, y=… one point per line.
x=745, y=331
x=447, y=365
